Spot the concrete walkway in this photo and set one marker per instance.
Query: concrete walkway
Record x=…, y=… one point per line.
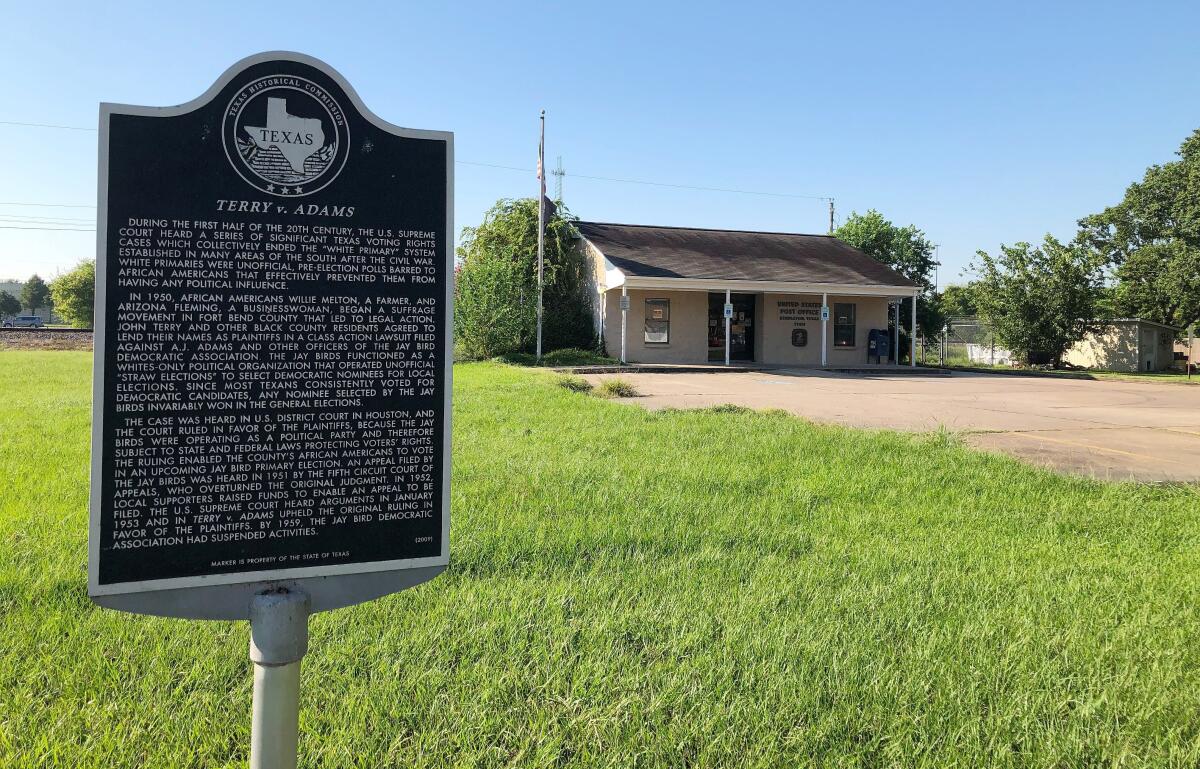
x=1106, y=429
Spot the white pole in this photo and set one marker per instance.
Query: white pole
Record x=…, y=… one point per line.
x=278, y=641
x=1190, y=352
x=624, y=318
x=912, y=336
x=824, y=324
x=896, y=335
x=541, y=226
x=275, y=721
x=727, y=319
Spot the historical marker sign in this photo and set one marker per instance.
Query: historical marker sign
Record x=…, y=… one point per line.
x=273, y=347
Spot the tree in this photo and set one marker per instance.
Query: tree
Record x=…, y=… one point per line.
x=907, y=251
x=492, y=314
x=74, y=294
x=1039, y=300
x=9, y=304
x=495, y=309
x=1159, y=282
x=1151, y=239
x=34, y=294
x=955, y=300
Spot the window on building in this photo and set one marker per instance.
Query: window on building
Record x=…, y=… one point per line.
x=843, y=325
x=658, y=321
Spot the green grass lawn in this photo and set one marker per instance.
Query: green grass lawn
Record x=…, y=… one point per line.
x=1168, y=377
x=627, y=589
x=1177, y=377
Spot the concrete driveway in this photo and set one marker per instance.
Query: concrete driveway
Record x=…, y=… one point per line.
x=1107, y=429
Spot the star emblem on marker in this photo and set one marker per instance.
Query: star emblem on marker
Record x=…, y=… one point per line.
x=299, y=190
x=270, y=188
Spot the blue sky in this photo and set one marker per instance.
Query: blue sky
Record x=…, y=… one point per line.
x=980, y=124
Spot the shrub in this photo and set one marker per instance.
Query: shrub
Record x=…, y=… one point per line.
x=573, y=356
x=74, y=295
x=490, y=312
x=575, y=384
x=616, y=388
x=495, y=305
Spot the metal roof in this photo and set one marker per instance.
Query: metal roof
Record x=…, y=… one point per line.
x=1140, y=320
x=695, y=253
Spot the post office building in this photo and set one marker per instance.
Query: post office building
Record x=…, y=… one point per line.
x=688, y=295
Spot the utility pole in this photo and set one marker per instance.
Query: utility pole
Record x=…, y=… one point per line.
x=831, y=216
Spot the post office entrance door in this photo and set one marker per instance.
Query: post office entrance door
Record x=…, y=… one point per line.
x=741, y=327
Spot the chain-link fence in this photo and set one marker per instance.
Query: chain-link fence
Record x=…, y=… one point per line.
x=965, y=341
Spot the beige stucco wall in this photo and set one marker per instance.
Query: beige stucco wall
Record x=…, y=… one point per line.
x=689, y=327
x=772, y=335
x=1114, y=349
x=1124, y=346
x=777, y=323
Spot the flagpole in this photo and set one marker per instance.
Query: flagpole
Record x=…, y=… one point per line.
x=541, y=226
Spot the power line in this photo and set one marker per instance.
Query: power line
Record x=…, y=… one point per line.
x=653, y=184
x=45, y=219
x=705, y=189
x=46, y=125
x=48, y=229
x=493, y=165
x=643, y=182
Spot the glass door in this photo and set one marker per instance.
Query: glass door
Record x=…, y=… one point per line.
x=741, y=327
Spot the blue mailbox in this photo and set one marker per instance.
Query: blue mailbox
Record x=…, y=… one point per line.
x=879, y=345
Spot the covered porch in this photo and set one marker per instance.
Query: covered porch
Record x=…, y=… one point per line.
x=674, y=321
x=687, y=295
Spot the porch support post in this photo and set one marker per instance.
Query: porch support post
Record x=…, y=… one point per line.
x=727, y=319
x=824, y=325
x=912, y=336
x=896, y=334
x=624, y=318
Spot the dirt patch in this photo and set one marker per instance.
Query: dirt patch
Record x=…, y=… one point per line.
x=45, y=339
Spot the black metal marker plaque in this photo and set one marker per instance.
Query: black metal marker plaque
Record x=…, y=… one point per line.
x=273, y=338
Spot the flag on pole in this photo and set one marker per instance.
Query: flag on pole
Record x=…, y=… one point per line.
x=541, y=165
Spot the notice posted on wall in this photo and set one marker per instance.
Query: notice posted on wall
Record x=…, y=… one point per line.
x=272, y=336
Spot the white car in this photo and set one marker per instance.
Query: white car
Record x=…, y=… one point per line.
x=24, y=321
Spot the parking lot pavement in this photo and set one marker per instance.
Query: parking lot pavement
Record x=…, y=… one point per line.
x=1117, y=430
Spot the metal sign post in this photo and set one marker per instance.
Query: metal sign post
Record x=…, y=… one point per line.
x=278, y=641
x=273, y=361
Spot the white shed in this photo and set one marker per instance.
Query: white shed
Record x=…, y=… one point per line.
x=1126, y=344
